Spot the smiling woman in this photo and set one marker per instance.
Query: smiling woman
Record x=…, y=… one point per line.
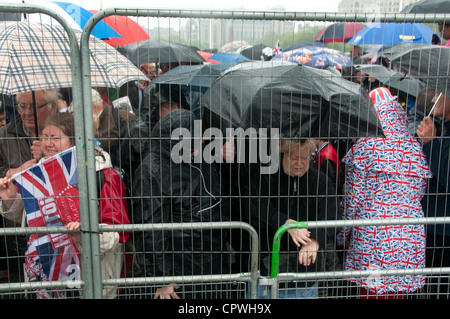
x=57, y=135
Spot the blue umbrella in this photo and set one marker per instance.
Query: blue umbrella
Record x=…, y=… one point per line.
x=316, y=57
x=81, y=16
x=391, y=33
x=228, y=57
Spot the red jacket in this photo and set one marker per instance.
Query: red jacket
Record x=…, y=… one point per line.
x=113, y=205
x=328, y=152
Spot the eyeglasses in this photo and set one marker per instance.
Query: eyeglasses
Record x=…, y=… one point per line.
x=24, y=106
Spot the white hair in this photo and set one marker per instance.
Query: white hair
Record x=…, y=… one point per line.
x=51, y=95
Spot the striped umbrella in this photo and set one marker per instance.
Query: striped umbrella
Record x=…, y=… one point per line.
x=37, y=56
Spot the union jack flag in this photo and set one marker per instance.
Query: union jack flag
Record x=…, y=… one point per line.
x=50, y=195
x=277, y=49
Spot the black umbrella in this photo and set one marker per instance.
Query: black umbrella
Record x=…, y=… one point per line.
x=194, y=77
x=430, y=63
x=260, y=52
x=5, y=16
x=299, y=100
x=392, y=79
x=160, y=51
x=428, y=6
x=399, y=48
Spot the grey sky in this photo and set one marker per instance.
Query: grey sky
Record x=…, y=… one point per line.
x=253, y=5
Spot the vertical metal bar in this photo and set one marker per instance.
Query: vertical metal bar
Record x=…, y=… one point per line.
x=36, y=124
x=90, y=162
x=254, y=262
x=78, y=111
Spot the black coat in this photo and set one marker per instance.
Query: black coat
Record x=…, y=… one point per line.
x=167, y=192
x=436, y=200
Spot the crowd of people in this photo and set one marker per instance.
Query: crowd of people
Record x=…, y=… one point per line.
x=403, y=175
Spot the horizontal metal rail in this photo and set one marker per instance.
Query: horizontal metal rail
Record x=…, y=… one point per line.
x=216, y=225
x=271, y=15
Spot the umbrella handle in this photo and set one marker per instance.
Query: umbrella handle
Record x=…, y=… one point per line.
x=36, y=128
x=432, y=109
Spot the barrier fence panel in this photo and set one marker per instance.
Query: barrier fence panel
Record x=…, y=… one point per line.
x=26, y=70
x=238, y=155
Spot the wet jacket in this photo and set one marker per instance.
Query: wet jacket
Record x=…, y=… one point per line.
x=167, y=192
x=111, y=123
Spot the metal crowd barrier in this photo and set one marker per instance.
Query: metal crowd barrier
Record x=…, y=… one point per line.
x=92, y=283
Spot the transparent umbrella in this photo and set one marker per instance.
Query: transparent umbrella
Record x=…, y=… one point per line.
x=37, y=56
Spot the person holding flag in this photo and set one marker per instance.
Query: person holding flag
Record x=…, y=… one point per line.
x=49, y=196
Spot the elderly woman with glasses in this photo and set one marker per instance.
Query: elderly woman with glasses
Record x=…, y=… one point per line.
x=19, y=147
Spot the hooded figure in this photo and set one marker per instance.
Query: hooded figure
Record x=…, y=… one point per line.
x=170, y=191
x=386, y=178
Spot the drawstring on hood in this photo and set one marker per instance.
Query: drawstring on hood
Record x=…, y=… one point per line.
x=185, y=182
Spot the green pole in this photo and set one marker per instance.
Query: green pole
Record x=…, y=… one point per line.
x=276, y=244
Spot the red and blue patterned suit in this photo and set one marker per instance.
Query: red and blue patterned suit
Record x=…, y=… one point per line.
x=386, y=178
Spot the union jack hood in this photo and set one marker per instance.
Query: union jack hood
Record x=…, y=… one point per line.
x=399, y=152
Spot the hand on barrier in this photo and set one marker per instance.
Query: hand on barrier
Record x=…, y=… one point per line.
x=167, y=292
x=300, y=236
x=76, y=237
x=308, y=253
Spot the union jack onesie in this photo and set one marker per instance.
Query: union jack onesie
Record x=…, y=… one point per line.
x=386, y=178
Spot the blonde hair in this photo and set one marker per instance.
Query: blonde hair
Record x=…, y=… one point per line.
x=291, y=147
